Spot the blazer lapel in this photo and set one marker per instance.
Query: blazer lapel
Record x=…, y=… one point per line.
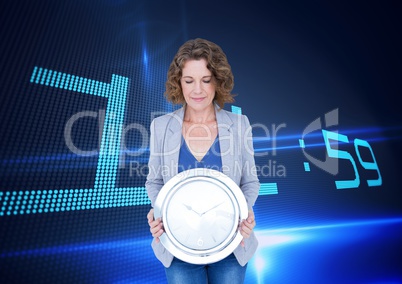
x=172, y=143
x=226, y=141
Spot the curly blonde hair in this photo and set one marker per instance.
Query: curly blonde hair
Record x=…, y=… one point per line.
x=217, y=63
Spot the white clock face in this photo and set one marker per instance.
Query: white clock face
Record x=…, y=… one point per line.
x=201, y=210
x=201, y=216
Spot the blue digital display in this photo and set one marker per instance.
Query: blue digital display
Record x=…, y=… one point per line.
x=81, y=82
x=341, y=184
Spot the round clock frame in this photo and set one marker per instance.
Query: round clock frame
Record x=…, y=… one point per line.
x=201, y=211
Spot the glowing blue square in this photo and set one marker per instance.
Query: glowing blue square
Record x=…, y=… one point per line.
x=301, y=142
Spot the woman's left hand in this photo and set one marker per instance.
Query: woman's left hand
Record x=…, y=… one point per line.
x=247, y=226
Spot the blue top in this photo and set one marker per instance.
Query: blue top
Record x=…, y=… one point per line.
x=211, y=160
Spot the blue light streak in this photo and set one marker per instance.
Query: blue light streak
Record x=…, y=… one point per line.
x=279, y=253
x=268, y=238
x=145, y=151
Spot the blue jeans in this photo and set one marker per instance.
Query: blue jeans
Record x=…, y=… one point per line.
x=226, y=271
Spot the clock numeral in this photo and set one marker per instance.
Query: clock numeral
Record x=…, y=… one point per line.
x=200, y=242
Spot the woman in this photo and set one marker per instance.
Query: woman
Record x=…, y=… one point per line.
x=202, y=134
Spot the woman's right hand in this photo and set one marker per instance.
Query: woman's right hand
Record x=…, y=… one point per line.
x=156, y=226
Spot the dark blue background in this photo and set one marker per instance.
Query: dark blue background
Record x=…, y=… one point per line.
x=293, y=62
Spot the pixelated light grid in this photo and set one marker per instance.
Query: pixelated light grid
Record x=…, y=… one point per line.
x=104, y=194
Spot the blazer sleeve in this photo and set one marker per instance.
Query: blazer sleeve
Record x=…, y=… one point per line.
x=154, y=181
x=249, y=182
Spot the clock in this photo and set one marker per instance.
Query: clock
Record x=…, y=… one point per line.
x=201, y=210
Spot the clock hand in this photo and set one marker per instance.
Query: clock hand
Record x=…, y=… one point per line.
x=191, y=209
x=211, y=208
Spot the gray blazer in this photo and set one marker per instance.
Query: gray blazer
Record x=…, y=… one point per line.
x=235, y=140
